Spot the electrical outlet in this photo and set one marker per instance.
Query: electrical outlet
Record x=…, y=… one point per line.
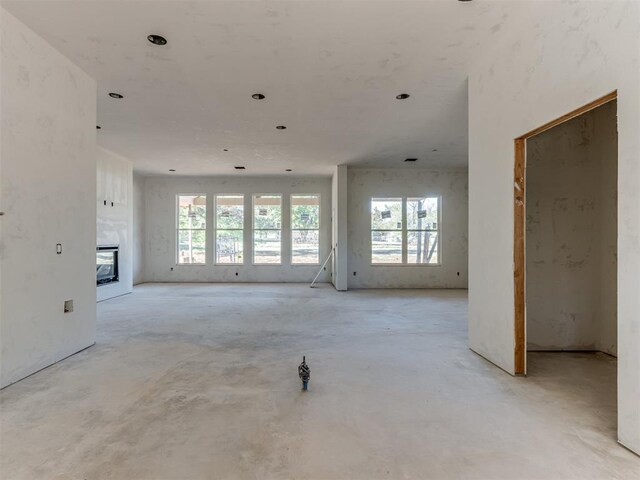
x=58, y=248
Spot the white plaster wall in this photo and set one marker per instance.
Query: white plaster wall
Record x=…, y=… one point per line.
x=339, y=219
x=115, y=217
x=160, y=222
x=138, y=229
x=47, y=191
x=571, y=191
x=451, y=185
x=559, y=56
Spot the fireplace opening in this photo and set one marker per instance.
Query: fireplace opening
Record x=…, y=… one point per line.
x=107, y=264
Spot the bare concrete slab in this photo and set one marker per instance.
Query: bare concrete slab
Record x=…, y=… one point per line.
x=200, y=381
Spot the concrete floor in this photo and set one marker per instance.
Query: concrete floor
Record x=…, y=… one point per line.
x=200, y=381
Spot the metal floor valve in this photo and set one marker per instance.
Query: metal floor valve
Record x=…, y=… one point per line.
x=304, y=372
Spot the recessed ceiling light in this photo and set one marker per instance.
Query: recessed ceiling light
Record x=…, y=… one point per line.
x=225, y=149
x=172, y=170
x=464, y=0
x=434, y=150
x=239, y=168
x=281, y=127
x=98, y=127
x=157, y=39
x=402, y=96
x=288, y=170
x=115, y=95
x=257, y=96
x=411, y=160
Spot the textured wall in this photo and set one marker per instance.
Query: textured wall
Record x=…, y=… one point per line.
x=571, y=266
x=365, y=184
x=48, y=192
x=115, y=222
x=160, y=223
x=138, y=229
x=558, y=57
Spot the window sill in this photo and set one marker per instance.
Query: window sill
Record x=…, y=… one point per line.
x=405, y=264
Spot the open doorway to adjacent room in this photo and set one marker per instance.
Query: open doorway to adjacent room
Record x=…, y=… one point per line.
x=566, y=245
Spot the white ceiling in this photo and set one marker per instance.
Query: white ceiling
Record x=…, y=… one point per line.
x=330, y=71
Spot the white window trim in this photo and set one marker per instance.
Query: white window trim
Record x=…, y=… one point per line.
x=404, y=233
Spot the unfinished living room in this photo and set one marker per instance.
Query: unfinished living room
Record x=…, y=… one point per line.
x=365, y=239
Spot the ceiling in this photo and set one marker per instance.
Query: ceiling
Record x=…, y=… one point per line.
x=330, y=71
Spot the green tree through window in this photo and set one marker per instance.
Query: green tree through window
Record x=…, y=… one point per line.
x=305, y=229
x=405, y=230
x=192, y=229
x=229, y=229
x=267, y=229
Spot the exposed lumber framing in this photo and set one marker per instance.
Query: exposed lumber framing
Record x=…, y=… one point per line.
x=519, y=236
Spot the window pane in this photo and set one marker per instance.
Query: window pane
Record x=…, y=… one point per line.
x=423, y=247
x=386, y=214
x=386, y=247
x=229, y=245
x=266, y=246
x=192, y=211
x=305, y=246
x=191, y=246
x=230, y=211
x=267, y=211
x=305, y=211
x=422, y=213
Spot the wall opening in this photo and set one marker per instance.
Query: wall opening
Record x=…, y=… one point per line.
x=571, y=234
x=565, y=249
x=519, y=230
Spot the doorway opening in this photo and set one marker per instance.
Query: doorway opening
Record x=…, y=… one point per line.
x=565, y=235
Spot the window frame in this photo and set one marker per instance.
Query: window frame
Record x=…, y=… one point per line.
x=253, y=229
x=215, y=229
x=178, y=230
x=405, y=232
x=396, y=230
x=291, y=229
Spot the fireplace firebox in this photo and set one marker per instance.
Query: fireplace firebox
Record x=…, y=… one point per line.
x=107, y=264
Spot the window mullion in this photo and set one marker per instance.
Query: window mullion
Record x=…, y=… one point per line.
x=404, y=231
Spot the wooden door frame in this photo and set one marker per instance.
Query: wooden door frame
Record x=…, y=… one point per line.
x=519, y=235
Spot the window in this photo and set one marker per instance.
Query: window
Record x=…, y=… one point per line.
x=305, y=229
x=422, y=230
x=386, y=230
x=405, y=230
x=192, y=229
x=267, y=225
x=229, y=229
